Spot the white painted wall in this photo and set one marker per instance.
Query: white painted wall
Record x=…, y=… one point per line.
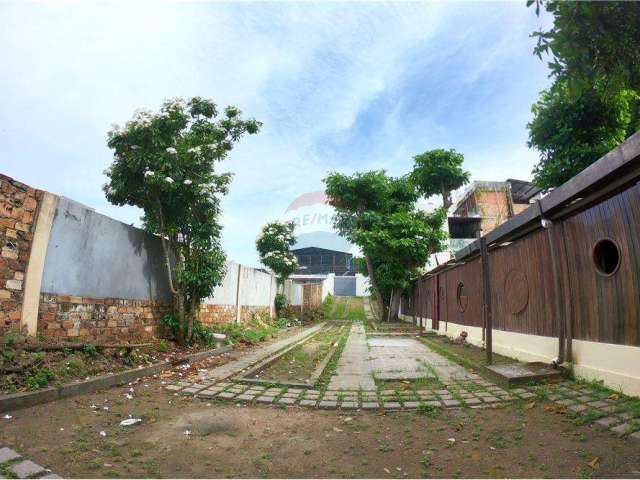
x=293, y=292
x=225, y=294
x=255, y=287
x=362, y=285
x=328, y=285
x=615, y=365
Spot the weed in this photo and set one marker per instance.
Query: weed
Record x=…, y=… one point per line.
x=429, y=410
x=162, y=346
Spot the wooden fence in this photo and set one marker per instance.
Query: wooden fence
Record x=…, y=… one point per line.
x=567, y=267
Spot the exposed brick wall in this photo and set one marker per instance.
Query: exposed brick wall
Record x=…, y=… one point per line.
x=18, y=208
x=211, y=314
x=248, y=311
x=99, y=319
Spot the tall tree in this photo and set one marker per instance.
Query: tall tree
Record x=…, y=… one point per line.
x=573, y=131
x=164, y=164
x=355, y=197
x=377, y=213
x=592, y=43
x=439, y=172
x=594, y=50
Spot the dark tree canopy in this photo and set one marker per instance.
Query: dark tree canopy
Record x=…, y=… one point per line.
x=439, y=172
x=593, y=42
x=593, y=104
x=573, y=132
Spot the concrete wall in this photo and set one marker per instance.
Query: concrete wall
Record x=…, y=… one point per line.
x=87, y=275
x=92, y=255
x=362, y=285
x=293, y=292
x=328, y=286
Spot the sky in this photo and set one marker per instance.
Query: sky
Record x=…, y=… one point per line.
x=339, y=86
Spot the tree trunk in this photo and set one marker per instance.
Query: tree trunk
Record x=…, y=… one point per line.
x=178, y=308
x=191, y=316
x=394, y=305
x=374, y=285
x=446, y=198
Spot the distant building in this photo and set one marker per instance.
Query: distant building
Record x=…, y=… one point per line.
x=322, y=261
x=486, y=205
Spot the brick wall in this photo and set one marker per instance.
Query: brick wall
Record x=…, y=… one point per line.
x=211, y=314
x=18, y=207
x=248, y=311
x=99, y=319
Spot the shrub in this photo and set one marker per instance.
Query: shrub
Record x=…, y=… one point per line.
x=280, y=303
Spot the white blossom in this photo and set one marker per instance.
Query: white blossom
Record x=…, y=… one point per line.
x=168, y=179
x=148, y=173
x=187, y=182
x=171, y=150
x=135, y=147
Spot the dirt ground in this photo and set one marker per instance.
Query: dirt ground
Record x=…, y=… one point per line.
x=185, y=437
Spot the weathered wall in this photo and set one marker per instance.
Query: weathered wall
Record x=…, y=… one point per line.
x=18, y=208
x=93, y=277
x=92, y=255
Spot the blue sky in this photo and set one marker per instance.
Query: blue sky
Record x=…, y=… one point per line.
x=339, y=86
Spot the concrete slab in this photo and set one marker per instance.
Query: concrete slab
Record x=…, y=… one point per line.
x=521, y=373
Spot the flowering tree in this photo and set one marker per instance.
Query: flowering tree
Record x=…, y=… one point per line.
x=164, y=164
x=273, y=244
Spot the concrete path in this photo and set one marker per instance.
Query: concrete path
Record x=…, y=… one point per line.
x=353, y=371
x=234, y=367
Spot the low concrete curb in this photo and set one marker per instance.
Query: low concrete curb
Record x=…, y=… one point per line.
x=17, y=401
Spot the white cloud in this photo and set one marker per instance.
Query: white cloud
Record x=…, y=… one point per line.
x=312, y=72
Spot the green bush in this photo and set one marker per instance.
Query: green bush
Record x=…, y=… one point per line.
x=280, y=303
x=162, y=346
x=91, y=351
x=38, y=378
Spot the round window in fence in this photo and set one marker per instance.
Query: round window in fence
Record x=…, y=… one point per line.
x=606, y=257
x=461, y=297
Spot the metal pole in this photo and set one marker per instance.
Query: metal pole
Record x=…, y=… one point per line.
x=486, y=292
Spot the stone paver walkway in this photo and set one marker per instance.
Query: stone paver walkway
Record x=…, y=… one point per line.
x=18, y=467
x=354, y=367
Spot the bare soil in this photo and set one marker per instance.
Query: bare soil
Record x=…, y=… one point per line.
x=186, y=437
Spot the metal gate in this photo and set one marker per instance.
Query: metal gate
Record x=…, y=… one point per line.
x=345, y=286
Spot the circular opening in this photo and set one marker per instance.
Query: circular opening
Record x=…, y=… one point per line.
x=606, y=257
x=461, y=296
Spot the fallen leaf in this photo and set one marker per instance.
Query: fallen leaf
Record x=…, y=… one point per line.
x=614, y=397
x=451, y=440
x=387, y=470
x=459, y=427
x=595, y=463
x=103, y=433
x=348, y=419
x=336, y=429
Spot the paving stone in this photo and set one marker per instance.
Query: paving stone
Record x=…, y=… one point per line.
x=442, y=392
x=490, y=399
x=290, y=394
x=308, y=403
x=295, y=390
x=622, y=429
x=432, y=403
x=577, y=408
x=173, y=388
x=451, y=403
x=635, y=435
x=527, y=395
x=265, y=399
x=287, y=401
x=472, y=401
x=607, y=421
x=370, y=405
x=585, y=398
x=392, y=405
x=209, y=393
x=26, y=469
x=411, y=404
x=555, y=397
x=598, y=404
x=313, y=392
x=349, y=405
x=330, y=404
x=566, y=402
x=446, y=397
x=6, y=455
x=519, y=390
x=51, y=475
x=245, y=397
x=226, y=395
